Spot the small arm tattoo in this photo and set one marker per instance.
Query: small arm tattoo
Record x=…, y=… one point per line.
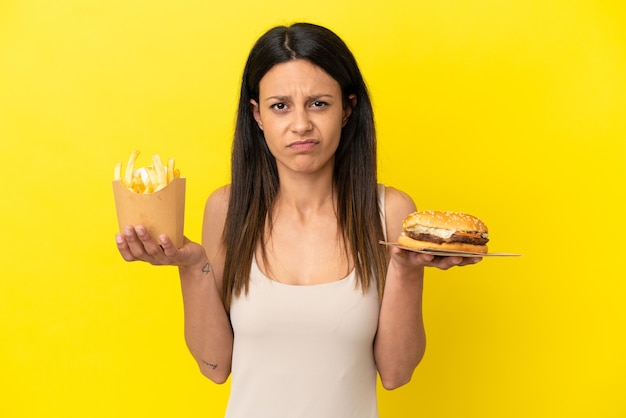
x=211, y=365
x=206, y=269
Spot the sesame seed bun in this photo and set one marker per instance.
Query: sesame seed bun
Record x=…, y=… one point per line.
x=451, y=231
x=447, y=220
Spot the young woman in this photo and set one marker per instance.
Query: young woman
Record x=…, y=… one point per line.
x=290, y=291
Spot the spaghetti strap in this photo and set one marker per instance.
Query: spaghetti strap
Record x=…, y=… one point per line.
x=381, y=208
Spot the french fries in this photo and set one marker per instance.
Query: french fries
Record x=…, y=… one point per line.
x=147, y=179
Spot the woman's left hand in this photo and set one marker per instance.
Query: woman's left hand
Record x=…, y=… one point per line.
x=411, y=259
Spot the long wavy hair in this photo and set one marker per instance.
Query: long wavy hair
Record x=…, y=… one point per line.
x=254, y=176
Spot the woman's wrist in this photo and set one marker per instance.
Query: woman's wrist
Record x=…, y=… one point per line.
x=405, y=268
x=200, y=268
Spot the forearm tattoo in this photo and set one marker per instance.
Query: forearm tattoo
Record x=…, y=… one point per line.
x=206, y=269
x=211, y=365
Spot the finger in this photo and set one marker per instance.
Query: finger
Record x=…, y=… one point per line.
x=151, y=247
x=407, y=254
x=445, y=263
x=135, y=246
x=167, y=246
x=470, y=260
x=426, y=258
x=123, y=248
x=398, y=251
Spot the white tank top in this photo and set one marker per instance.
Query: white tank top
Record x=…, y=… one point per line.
x=303, y=351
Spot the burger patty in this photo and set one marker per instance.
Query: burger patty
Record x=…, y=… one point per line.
x=454, y=238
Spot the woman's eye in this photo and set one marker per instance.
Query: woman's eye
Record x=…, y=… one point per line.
x=318, y=103
x=279, y=106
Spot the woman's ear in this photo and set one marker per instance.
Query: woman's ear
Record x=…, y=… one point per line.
x=347, y=109
x=256, y=113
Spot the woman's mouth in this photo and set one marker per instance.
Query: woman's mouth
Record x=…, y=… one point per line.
x=303, y=145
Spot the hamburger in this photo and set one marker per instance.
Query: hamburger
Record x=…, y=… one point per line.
x=447, y=231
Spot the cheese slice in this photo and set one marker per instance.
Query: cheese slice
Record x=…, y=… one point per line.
x=438, y=232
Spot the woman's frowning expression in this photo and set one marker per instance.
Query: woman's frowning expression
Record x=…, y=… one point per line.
x=301, y=112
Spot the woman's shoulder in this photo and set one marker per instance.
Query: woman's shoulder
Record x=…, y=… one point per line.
x=398, y=200
x=215, y=210
x=218, y=200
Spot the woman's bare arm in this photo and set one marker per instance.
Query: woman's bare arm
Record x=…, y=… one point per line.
x=401, y=340
x=208, y=332
x=207, y=327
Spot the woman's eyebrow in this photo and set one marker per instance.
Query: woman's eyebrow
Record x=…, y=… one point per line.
x=312, y=97
x=277, y=98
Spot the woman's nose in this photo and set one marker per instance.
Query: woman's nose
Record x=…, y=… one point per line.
x=301, y=121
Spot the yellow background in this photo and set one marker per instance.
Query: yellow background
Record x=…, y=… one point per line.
x=512, y=110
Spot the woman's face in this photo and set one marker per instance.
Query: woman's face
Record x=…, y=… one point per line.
x=301, y=113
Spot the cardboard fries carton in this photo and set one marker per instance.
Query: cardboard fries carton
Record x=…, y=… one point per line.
x=161, y=212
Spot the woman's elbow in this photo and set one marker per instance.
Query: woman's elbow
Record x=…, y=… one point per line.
x=398, y=375
x=214, y=375
x=394, y=382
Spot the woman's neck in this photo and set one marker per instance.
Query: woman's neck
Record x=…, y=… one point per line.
x=306, y=194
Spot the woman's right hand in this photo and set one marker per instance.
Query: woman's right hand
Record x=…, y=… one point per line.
x=136, y=244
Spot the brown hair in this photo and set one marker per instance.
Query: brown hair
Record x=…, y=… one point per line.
x=254, y=177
